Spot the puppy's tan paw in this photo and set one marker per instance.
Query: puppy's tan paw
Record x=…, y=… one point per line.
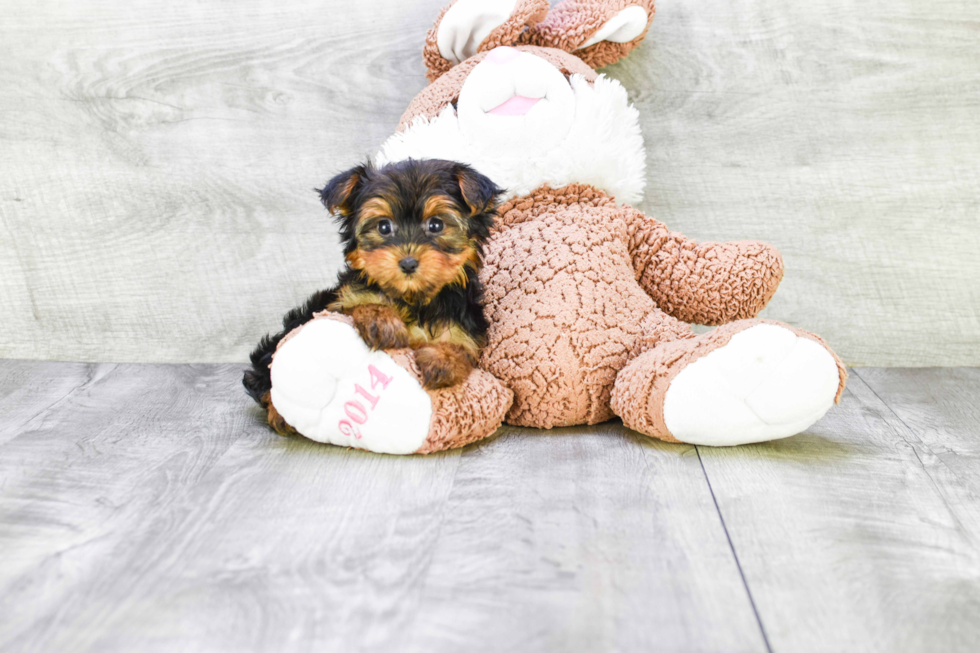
x=443, y=365
x=380, y=327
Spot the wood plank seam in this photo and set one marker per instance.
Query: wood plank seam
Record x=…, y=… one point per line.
x=925, y=467
x=910, y=431
x=40, y=414
x=853, y=525
x=731, y=546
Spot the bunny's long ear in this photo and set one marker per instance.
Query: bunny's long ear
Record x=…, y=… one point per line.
x=467, y=27
x=599, y=32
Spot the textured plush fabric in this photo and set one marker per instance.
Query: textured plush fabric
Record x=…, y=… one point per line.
x=571, y=23
x=460, y=415
x=566, y=27
x=445, y=90
x=563, y=304
x=577, y=286
x=638, y=395
x=526, y=13
x=703, y=283
x=467, y=412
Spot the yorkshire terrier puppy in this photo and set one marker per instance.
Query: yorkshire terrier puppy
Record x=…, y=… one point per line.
x=413, y=235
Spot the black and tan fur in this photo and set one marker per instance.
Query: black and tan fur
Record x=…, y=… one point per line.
x=436, y=309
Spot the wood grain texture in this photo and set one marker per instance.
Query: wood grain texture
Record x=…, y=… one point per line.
x=148, y=508
x=582, y=539
x=153, y=511
x=29, y=390
x=157, y=166
x=86, y=493
x=941, y=407
x=864, y=533
x=156, y=162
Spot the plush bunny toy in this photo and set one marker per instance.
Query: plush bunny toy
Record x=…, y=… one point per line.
x=588, y=299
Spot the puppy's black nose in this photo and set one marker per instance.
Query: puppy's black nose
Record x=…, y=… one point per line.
x=409, y=264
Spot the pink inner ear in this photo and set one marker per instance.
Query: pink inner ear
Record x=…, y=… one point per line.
x=516, y=106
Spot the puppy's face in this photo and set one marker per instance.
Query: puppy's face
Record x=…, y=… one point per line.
x=415, y=226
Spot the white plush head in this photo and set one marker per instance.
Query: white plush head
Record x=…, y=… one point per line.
x=526, y=120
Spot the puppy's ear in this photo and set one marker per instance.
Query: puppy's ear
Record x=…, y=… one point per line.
x=479, y=193
x=339, y=193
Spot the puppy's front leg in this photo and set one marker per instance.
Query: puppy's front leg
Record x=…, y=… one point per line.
x=443, y=364
x=275, y=420
x=380, y=326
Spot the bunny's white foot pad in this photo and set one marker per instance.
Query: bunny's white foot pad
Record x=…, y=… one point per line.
x=331, y=388
x=765, y=383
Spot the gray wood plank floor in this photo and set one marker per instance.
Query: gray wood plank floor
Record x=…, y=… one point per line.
x=147, y=508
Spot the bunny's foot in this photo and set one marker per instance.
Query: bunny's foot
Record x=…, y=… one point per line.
x=330, y=387
x=749, y=381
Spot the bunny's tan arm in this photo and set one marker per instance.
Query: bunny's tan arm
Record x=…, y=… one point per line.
x=702, y=283
x=599, y=32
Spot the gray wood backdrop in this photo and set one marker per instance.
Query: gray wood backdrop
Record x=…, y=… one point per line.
x=157, y=161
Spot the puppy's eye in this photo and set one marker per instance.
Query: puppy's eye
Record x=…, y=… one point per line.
x=384, y=227
x=435, y=225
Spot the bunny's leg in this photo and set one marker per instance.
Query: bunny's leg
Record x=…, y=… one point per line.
x=748, y=381
x=330, y=387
